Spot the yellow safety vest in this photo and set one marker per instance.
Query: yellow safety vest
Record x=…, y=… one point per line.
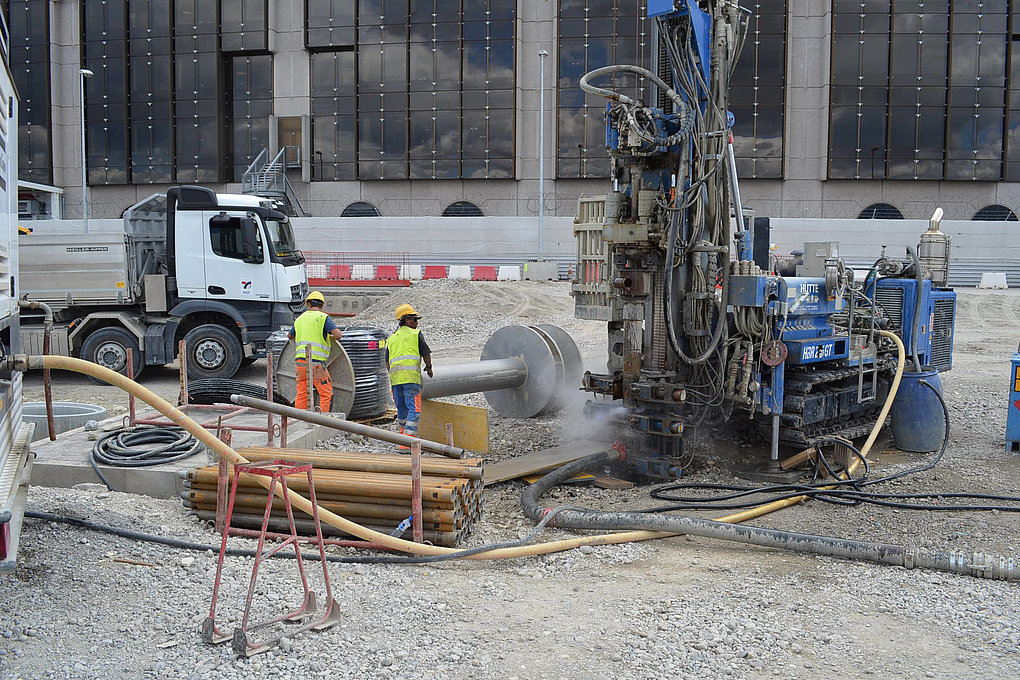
x=405, y=361
x=308, y=331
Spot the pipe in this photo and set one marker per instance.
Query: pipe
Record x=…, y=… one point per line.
x=47, y=386
x=915, y=331
x=22, y=362
x=346, y=425
x=474, y=376
x=976, y=564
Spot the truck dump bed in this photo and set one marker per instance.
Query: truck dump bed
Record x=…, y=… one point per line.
x=75, y=269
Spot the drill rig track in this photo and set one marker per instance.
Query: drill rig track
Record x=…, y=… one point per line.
x=822, y=403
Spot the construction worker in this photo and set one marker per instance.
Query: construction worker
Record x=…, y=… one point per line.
x=406, y=350
x=313, y=332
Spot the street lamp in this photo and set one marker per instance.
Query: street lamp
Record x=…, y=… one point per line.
x=82, y=75
x=542, y=54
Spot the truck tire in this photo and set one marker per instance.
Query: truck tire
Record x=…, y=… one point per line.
x=213, y=352
x=108, y=347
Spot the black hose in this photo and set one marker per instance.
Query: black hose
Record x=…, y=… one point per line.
x=237, y=552
x=882, y=553
x=218, y=391
x=142, y=447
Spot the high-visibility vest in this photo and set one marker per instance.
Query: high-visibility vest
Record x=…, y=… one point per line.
x=405, y=361
x=308, y=331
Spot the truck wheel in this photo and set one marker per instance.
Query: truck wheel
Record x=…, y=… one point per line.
x=213, y=352
x=108, y=347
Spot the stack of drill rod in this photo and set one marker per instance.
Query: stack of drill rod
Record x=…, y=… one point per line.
x=371, y=489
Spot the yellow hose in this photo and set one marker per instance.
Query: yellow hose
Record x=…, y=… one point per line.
x=299, y=501
x=338, y=522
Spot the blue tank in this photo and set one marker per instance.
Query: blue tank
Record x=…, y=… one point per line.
x=918, y=422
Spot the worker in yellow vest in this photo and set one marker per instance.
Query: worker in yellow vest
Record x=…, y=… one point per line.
x=313, y=332
x=406, y=351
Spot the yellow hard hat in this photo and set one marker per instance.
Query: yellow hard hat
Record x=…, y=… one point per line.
x=315, y=296
x=404, y=310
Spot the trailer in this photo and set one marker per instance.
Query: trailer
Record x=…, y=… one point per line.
x=15, y=456
x=218, y=271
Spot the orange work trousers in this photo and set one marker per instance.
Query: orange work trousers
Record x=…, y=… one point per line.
x=321, y=382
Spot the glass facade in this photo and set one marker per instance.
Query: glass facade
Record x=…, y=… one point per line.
x=908, y=104
x=30, y=63
x=758, y=91
x=592, y=34
x=412, y=89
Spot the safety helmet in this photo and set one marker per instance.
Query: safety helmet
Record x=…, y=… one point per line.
x=405, y=310
x=315, y=296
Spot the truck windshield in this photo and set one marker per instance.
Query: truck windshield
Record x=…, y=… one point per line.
x=282, y=238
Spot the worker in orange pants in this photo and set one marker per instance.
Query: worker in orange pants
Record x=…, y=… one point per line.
x=313, y=332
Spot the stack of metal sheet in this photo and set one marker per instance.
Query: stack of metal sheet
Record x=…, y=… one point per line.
x=371, y=489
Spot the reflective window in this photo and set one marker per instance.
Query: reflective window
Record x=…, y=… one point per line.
x=329, y=24
x=757, y=92
x=595, y=33
x=149, y=99
x=250, y=103
x=244, y=25
x=880, y=211
x=994, y=213
x=428, y=93
x=29, y=22
x=225, y=236
x=463, y=209
x=360, y=209
x=906, y=106
x=198, y=121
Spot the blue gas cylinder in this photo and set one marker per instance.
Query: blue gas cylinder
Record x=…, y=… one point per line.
x=918, y=422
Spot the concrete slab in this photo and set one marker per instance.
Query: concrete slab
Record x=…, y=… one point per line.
x=65, y=462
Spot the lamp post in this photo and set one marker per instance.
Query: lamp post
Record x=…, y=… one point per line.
x=542, y=54
x=82, y=75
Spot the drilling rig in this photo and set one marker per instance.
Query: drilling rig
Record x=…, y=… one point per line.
x=697, y=328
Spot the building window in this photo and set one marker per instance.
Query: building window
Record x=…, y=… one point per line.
x=994, y=213
x=595, y=33
x=244, y=25
x=198, y=119
x=428, y=92
x=758, y=92
x=30, y=66
x=250, y=103
x=360, y=209
x=880, y=211
x=905, y=106
x=463, y=209
x=148, y=103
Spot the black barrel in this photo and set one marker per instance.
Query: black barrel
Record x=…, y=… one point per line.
x=366, y=348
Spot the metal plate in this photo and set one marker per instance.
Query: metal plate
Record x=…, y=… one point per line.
x=340, y=371
x=533, y=348
x=774, y=353
x=573, y=366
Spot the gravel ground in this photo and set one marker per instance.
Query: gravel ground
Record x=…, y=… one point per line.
x=678, y=607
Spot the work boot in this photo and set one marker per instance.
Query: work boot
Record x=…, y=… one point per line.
x=401, y=447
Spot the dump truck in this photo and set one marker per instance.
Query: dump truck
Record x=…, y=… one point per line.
x=218, y=271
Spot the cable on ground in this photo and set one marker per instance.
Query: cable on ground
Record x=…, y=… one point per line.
x=142, y=447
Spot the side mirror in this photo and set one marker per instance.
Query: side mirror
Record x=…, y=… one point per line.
x=249, y=239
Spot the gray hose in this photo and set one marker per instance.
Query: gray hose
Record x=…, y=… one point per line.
x=976, y=564
x=682, y=109
x=915, y=332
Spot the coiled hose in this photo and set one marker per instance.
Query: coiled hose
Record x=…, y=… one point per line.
x=142, y=447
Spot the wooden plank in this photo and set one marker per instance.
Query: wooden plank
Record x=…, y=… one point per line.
x=612, y=483
x=582, y=478
x=797, y=458
x=540, y=461
x=470, y=424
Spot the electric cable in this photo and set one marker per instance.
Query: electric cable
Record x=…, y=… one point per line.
x=240, y=552
x=142, y=447
x=833, y=490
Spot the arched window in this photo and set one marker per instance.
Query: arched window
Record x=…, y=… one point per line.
x=880, y=211
x=995, y=213
x=463, y=209
x=360, y=209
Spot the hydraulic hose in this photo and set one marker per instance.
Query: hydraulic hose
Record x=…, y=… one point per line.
x=47, y=386
x=142, y=447
x=976, y=564
x=22, y=362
